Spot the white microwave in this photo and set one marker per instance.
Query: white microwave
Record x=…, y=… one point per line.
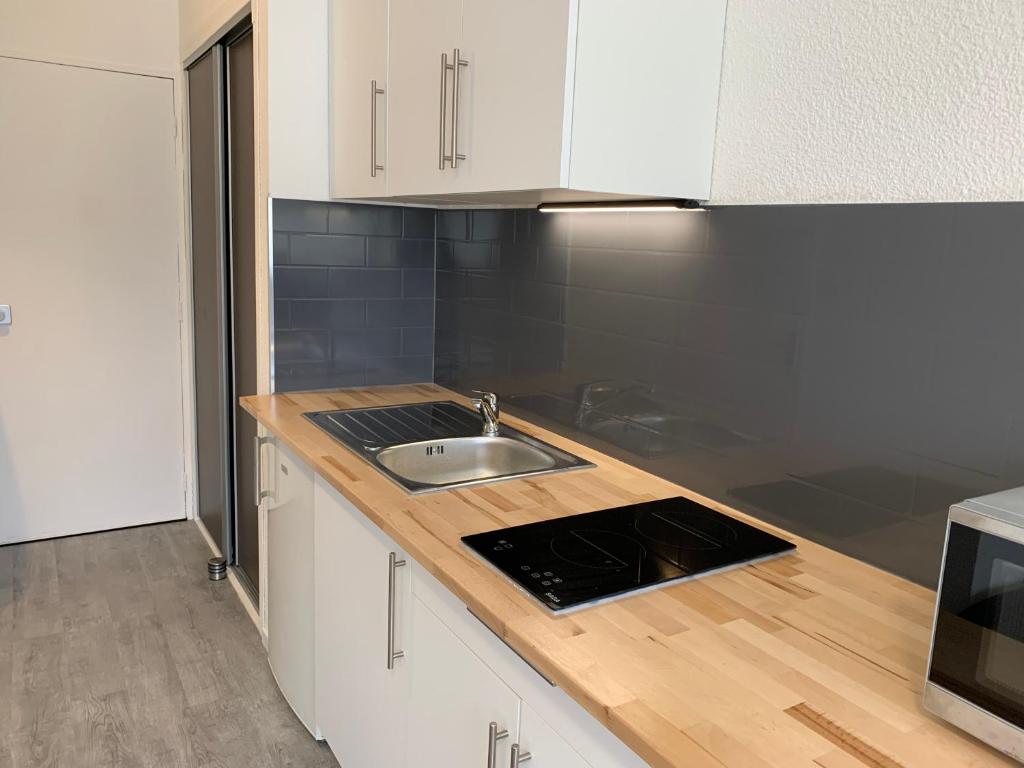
x=976, y=665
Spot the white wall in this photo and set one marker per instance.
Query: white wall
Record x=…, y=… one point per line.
x=203, y=21
x=130, y=35
x=854, y=101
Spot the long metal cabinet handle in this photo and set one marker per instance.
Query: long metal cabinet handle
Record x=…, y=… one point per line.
x=374, y=93
x=257, y=470
x=444, y=95
x=518, y=757
x=457, y=63
x=494, y=735
x=393, y=564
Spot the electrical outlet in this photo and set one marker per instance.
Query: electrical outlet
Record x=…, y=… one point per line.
x=5, y=314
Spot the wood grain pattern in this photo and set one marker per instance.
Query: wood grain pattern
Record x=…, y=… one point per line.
x=812, y=660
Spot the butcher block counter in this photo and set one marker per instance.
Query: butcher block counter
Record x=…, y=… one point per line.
x=810, y=659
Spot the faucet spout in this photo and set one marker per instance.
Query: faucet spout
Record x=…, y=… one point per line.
x=487, y=406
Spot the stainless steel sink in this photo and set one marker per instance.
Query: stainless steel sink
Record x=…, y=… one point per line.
x=435, y=446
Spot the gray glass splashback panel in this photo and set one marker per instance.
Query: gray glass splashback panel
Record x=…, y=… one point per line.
x=847, y=372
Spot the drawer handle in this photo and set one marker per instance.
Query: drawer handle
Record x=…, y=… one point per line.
x=444, y=98
x=457, y=63
x=494, y=735
x=393, y=564
x=257, y=470
x=519, y=757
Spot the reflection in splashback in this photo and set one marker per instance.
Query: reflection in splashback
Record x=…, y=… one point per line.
x=846, y=372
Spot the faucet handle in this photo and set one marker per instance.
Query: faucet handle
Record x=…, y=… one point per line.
x=489, y=397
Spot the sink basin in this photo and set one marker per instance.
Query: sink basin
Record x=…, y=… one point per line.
x=463, y=459
x=435, y=446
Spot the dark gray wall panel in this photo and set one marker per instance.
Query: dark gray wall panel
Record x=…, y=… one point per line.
x=847, y=372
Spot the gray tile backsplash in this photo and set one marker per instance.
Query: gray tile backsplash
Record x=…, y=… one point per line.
x=847, y=372
x=353, y=295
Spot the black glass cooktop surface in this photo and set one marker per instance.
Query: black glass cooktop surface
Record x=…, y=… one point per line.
x=574, y=561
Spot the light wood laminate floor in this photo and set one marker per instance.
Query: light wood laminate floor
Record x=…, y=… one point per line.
x=116, y=650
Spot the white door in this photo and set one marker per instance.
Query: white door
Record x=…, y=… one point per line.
x=91, y=428
x=359, y=65
x=290, y=581
x=455, y=698
x=546, y=748
x=418, y=34
x=513, y=94
x=361, y=703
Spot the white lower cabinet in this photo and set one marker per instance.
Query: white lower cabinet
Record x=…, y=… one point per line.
x=541, y=745
x=454, y=702
x=363, y=603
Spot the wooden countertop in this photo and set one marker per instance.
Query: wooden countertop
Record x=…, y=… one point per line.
x=813, y=659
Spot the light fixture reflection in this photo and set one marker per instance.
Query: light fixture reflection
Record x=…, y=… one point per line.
x=624, y=205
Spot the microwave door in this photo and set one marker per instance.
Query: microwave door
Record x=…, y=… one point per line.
x=1001, y=662
x=978, y=644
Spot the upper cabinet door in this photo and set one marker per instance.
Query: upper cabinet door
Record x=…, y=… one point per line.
x=421, y=95
x=455, y=697
x=359, y=97
x=513, y=99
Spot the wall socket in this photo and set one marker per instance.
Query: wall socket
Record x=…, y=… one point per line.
x=5, y=314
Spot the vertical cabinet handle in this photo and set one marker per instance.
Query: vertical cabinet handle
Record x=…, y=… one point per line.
x=444, y=95
x=457, y=64
x=393, y=565
x=453, y=156
x=519, y=757
x=258, y=494
x=374, y=93
x=494, y=735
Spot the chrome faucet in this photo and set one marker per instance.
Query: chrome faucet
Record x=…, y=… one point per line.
x=487, y=405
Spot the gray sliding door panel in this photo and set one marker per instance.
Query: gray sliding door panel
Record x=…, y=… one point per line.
x=242, y=204
x=209, y=293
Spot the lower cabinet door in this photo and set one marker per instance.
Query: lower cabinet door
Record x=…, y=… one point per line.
x=455, y=697
x=545, y=748
x=362, y=602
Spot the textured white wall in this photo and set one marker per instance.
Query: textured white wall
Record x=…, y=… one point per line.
x=871, y=100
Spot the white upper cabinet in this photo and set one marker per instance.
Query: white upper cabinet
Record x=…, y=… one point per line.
x=549, y=100
x=421, y=33
x=359, y=94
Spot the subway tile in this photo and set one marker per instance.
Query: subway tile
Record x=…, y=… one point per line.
x=293, y=346
x=300, y=282
x=359, y=343
x=553, y=265
x=538, y=300
x=365, y=283
x=393, y=252
x=332, y=314
x=397, y=313
x=300, y=216
x=476, y=256
x=417, y=341
x=399, y=370
x=492, y=225
x=641, y=317
x=282, y=314
x=328, y=250
x=452, y=225
x=417, y=283
x=355, y=219
x=418, y=222
x=281, y=252
x=321, y=375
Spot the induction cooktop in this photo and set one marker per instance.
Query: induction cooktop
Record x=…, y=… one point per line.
x=576, y=561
